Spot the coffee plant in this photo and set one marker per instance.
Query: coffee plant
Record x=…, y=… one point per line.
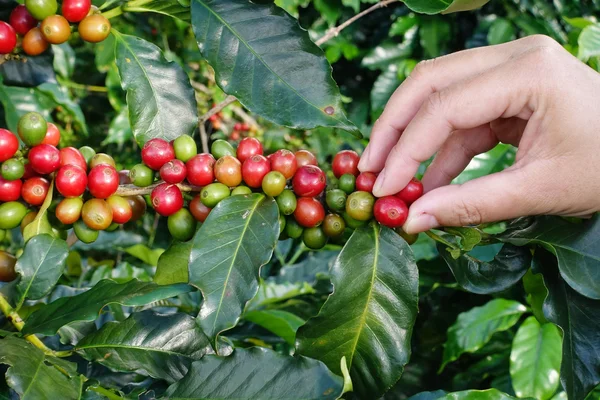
x=182, y=216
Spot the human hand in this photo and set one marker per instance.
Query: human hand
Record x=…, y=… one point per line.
x=530, y=93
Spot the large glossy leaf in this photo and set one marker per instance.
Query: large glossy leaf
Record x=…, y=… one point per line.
x=282, y=323
x=535, y=360
x=173, y=264
x=31, y=71
x=589, y=42
x=161, y=346
x=172, y=8
x=64, y=60
x=237, y=238
x=262, y=57
x=428, y=395
x=257, y=373
x=18, y=101
x=160, y=98
x=370, y=315
x=86, y=306
x=40, y=267
x=578, y=317
x=484, y=277
x=34, y=375
x=536, y=294
x=490, y=394
x=445, y=6
x=383, y=88
x=500, y=157
x=575, y=245
x=474, y=328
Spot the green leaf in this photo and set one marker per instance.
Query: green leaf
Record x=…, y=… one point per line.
x=577, y=316
x=60, y=96
x=383, y=88
x=86, y=306
x=575, y=245
x=282, y=323
x=536, y=294
x=501, y=31
x=272, y=67
x=434, y=36
x=446, y=6
x=474, y=328
x=172, y=265
x=428, y=395
x=147, y=343
x=589, y=42
x=578, y=22
x=257, y=373
x=160, y=98
x=490, y=394
x=119, y=131
x=105, y=54
x=403, y=24
x=237, y=238
x=469, y=237
x=40, y=267
x=483, y=277
x=386, y=54
x=144, y=253
x=34, y=375
x=32, y=72
x=170, y=8
x=329, y=10
x=370, y=315
x=64, y=60
x=535, y=360
x=500, y=157
x=18, y=101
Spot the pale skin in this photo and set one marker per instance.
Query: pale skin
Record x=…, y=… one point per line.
x=530, y=93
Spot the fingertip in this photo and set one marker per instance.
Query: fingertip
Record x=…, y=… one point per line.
x=420, y=222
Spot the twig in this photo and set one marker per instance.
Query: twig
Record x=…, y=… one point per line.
x=333, y=32
x=89, y=88
x=203, y=138
x=201, y=87
x=239, y=111
x=132, y=190
x=228, y=100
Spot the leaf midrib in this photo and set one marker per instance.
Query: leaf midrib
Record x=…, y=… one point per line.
x=26, y=291
x=133, y=348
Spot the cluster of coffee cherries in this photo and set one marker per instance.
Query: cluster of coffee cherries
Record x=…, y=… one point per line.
x=40, y=26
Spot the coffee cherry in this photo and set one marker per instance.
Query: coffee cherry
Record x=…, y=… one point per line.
x=314, y=238
x=103, y=181
x=185, y=148
x=29, y=172
x=35, y=190
x=359, y=206
x=282, y=223
x=68, y=211
x=365, y=181
x=71, y=181
x=10, y=190
x=221, y=148
x=94, y=28
x=241, y=190
x=173, y=172
x=112, y=227
x=44, y=159
x=309, y=212
x=32, y=129
x=124, y=178
x=351, y=222
x=293, y=229
x=309, y=181
x=76, y=10
x=97, y=214
x=52, y=135
x=41, y=9
x=121, y=209
x=390, y=211
x=336, y=200
x=273, y=183
x=199, y=210
x=102, y=159
x=287, y=202
x=345, y=162
x=333, y=225
x=305, y=157
x=285, y=162
x=156, y=153
x=84, y=233
x=182, y=225
x=21, y=20
x=12, y=169
x=56, y=29
x=166, y=199
x=411, y=192
x=200, y=169
x=88, y=153
x=34, y=43
x=228, y=171
x=141, y=175
x=8, y=38
x=7, y=267
x=212, y=194
x=9, y=144
x=347, y=183
x=249, y=147
x=72, y=156
x=11, y=214
x=138, y=207
x=254, y=170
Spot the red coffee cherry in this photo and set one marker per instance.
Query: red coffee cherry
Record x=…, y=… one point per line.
x=365, y=182
x=8, y=38
x=284, y=161
x=76, y=10
x=44, y=159
x=29, y=172
x=9, y=144
x=390, y=211
x=309, y=212
x=199, y=210
x=254, y=170
x=34, y=190
x=345, y=162
x=71, y=181
x=309, y=181
x=248, y=147
x=166, y=199
x=411, y=192
x=121, y=209
x=173, y=172
x=72, y=156
x=21, y=21
x=10, y=190
x=103, y=181
x=228, y=171
x=200, y=169
x=305, y=157
x=157, y=152
x=52, y=135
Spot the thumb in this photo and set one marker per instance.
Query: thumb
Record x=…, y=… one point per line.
x=495, y=197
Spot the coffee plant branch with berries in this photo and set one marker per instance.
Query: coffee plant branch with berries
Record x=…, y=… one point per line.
x=182, y=215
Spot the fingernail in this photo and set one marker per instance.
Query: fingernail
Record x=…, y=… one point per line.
x=364, y=159
x=420, y=223
x=379, y=183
